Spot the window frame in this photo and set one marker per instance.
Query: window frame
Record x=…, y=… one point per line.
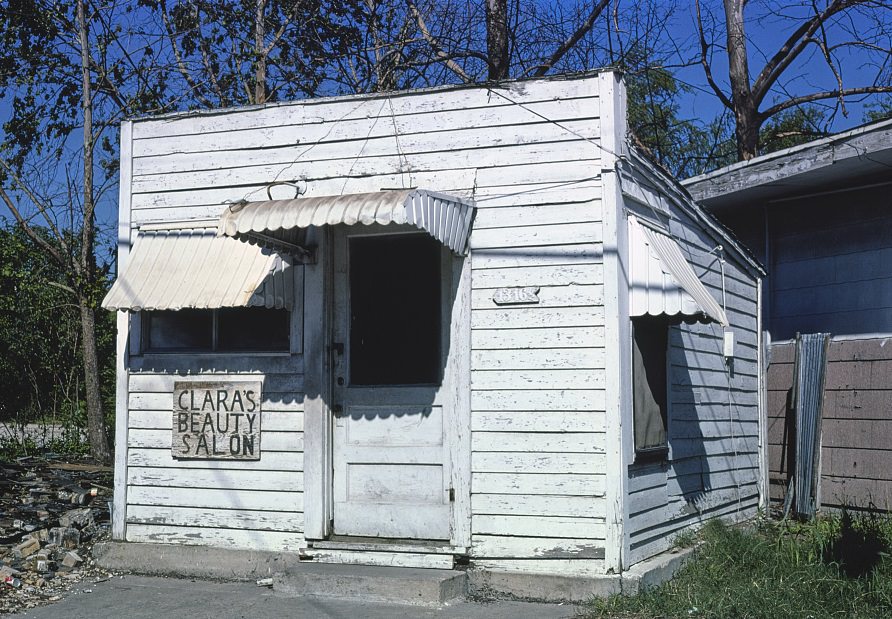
x=660, y=454
x=141, y=323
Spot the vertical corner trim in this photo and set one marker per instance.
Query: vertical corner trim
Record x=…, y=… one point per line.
x=617, y=326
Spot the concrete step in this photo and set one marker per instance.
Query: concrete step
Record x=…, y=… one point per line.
x=397, y=585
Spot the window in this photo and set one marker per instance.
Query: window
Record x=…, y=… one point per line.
x=230, y=329
x=395, y=322
x=650, y=338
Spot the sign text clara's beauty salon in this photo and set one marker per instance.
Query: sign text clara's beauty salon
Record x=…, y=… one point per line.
x=216, y=420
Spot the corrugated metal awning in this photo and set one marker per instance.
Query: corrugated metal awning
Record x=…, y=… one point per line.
x=662, y=281
x=446, y=218
x=194, y=268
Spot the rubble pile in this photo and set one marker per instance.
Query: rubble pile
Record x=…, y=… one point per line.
x=51, y=514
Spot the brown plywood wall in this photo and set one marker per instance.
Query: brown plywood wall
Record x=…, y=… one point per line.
x=856, y=446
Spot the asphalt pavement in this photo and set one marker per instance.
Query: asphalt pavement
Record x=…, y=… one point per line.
x=147, y=597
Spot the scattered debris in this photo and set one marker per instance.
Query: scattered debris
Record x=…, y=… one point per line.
x=51, y=514
x=265, y=582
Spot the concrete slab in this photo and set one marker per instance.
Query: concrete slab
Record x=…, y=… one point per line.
x=399, y=585
x=381, y=584
x=148, y=597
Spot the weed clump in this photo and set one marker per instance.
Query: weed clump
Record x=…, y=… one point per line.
x=775, y=569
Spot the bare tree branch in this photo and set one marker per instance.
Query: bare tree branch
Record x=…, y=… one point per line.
x=572, y=40
x=704, y=61
x=820, y=96
x=435, y=45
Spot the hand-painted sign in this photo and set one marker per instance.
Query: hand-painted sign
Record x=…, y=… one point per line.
x=216, y=420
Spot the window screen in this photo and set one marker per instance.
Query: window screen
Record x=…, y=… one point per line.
x=394, y=310
x=235, y=329
x=649, y=385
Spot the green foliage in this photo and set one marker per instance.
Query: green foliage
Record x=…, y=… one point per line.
x=777, y=569
x=40, y=338
x=879, y=110
x=792, y=127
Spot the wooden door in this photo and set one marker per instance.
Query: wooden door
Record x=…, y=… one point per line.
x=391, y=471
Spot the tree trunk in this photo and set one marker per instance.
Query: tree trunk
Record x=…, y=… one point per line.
x=497, y=38
x=746, y=116
x=95, y=418
x=259, y=54
x=86, y=265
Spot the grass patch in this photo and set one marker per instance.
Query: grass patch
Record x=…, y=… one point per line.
x=833, y=567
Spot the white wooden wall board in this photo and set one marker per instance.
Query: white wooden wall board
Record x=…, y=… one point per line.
x=694, y=466
x=713, y=428
x=538, y=359
x=325, y=110
x=566, y=442
x=181, y=365
x=549, y=296
x=550, y=274
x=530, y=194
x=513, y=547
x=536, y=215
x=653, y=526
x=383, y=559
x=537, y=462
x=269, y=441
x=555, y=526
x=534, y=400
x=561, y=567
x=122, y=340
x=163, y=383
x=576, y=157
x=243, y=519
x=536, y=379
x=542, y=338
x=272, y=461
x=535, y=236
x=281, y=402
x=526, y=317
x=644, y=477
x=714, y=446
x=537, y=421
x=275, y=541
x=717, y=480
x=647, y=500
x=561, y=170
x=215, y=498
x=743, y=363
x=446, y=181
x=296, y=143
x=533, y=505
x=270, y=421
x=568, y=484
x=286, y=481
x=708, y=376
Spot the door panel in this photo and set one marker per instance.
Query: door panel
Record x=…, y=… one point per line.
x=391, y=471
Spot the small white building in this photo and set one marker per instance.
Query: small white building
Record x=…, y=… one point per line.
x=474, y=324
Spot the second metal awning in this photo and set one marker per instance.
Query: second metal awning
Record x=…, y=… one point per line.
x=661, y=280
x=274, y=222
x=194, y=268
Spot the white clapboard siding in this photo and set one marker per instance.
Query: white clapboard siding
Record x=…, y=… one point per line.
x=538, y=421
x=563, y=442
x=531, y=526
x=255, y=479
x=569, y=567
x=527, y=317
x=247, y=539
x=540, y=275
x=538, y=359
x=536, y=379
x=541, y=399
x=569, y=484
x=546, y=337
x=281, y=402
x=285, y=382
x=713, y=425
x=510, y=547
x=560, y=463
x=216, y=518
x=278, y=461
x=536, y=505
x=490, y=216
x=548, y=296
x=215, y=498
